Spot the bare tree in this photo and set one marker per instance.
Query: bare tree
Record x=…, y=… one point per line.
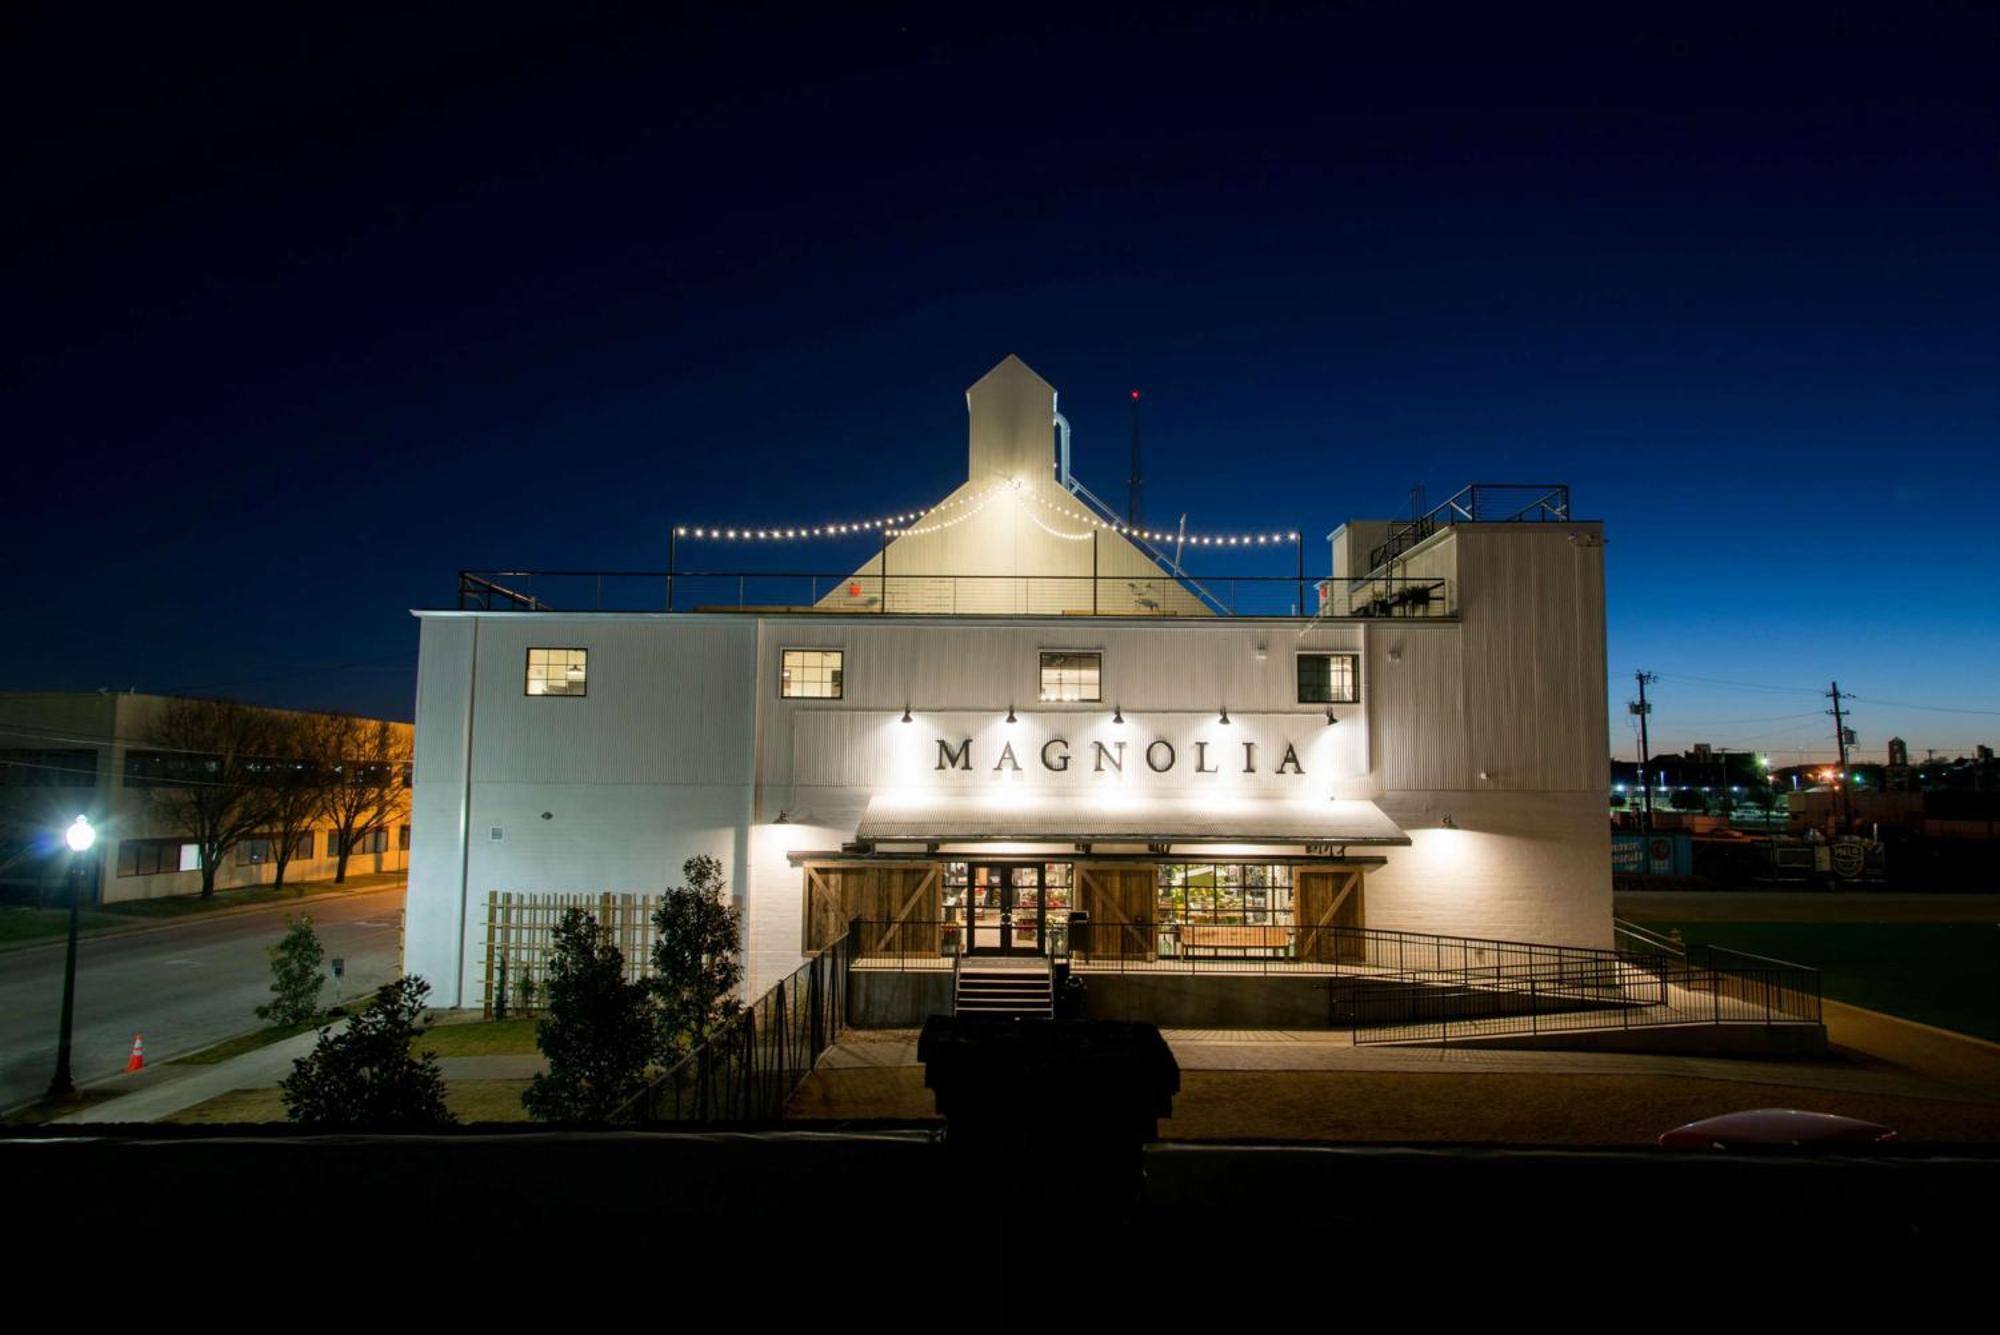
x=368, y=783
x=209, y=775
x=301, y=764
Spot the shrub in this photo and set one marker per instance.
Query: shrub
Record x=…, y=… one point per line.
x=295, y=977
x=597, y=1029
x=366, y=1075
x=695, y=971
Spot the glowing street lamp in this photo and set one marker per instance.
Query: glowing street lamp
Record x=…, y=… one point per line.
x=79, y=836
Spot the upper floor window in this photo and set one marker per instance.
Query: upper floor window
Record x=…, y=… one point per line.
x=557, y=671
x=1329, y=679
x=1072, y=676
x=810, y=674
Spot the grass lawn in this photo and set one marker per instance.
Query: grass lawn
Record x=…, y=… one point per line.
x=20, y=925
x=471, y=1100
x=1942, y=974
x=242, y=1043
x=1488, y=1107
x=484, y=1038
x=181, y=906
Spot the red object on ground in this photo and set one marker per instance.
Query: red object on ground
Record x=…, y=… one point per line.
x=138, y=1055
x=1768, y=1128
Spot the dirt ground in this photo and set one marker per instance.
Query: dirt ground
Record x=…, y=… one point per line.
x=1403, y=1107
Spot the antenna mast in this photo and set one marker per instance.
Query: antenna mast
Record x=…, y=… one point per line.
x=1135, y=506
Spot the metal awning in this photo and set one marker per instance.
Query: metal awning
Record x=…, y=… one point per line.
x=1071, y=817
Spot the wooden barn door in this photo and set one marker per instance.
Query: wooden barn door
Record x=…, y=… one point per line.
x=899, y=904
x=1328, y=898
x=1120, y=902
x=912, y=903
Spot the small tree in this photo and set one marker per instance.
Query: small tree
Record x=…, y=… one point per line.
x=297, y=786
x=367, y=782
x=207, y=773
x=597, y=1028
x=295, y=976
x=366, y=1074
x=695, y=970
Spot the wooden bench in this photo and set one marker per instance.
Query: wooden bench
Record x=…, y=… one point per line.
x=1214, y=939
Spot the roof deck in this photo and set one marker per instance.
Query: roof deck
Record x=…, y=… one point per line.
x=781, y=592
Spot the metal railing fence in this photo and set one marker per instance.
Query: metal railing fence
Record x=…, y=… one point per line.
x=950, y=595
x=1647, y=992
x=1395, y=986
x=747, y=1072
x=1480, y=503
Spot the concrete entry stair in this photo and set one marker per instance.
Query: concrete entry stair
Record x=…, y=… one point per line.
x=1005, y=988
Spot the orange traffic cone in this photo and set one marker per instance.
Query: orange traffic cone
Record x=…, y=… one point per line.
x=138, y=1055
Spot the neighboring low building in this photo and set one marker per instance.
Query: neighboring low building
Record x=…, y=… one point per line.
x=70, y=753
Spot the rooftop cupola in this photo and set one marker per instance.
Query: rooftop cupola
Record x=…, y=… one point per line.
x=1012, y=412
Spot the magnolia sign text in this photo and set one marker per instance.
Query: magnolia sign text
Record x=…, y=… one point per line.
x=1160, y=756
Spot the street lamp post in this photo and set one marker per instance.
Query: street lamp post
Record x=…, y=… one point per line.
x=80, y=836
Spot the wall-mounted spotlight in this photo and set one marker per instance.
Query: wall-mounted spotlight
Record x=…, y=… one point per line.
x=906, y=714
x=1448, y=823
x=1117, y=713
x=1224, y=717
x=1010, y=714
x=1330, y=719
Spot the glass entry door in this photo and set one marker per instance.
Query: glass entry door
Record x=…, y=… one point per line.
x=1008, y=909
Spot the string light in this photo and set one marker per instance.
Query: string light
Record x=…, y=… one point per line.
x=907, y=525
x=982, y=498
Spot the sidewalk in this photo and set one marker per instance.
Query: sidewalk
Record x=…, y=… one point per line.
x=178, y=1088
x=159, y=1092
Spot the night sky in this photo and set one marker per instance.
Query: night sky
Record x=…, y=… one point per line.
x=306, y=309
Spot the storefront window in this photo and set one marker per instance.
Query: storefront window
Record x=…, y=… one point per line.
x=1226, y=893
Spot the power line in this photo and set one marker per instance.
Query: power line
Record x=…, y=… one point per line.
x=1931, y=709
x=1742, y=685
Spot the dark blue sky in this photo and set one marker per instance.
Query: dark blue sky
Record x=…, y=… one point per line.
x=305, y=313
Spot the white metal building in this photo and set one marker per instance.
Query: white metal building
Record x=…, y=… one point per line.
x=1015, y=711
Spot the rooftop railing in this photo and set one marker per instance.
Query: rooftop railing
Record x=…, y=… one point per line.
x=765, y=591
x=1480, y=503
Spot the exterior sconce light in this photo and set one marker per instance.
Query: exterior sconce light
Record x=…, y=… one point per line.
x=1224, y=717
x=1448, y=823
x=906, y=714
x=1330, y=719
x=1117, y=713
x=1010, y=714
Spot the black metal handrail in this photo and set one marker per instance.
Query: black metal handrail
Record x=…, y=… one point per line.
x=748, y=1072
x=1193, y=945
x=1389, y=985
x=1646, y=993
x=1480, y=503
x=899, y=593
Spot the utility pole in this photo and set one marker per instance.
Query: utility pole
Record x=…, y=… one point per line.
x=1642, y=709
x=1843, y=737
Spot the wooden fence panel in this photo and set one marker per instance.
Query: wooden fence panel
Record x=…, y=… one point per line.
x=520, y=937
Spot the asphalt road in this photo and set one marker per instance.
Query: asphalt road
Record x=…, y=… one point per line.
x=182, y=986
